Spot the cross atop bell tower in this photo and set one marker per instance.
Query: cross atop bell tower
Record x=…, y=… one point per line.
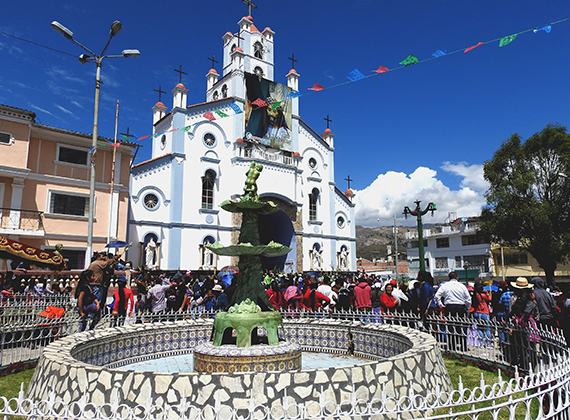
x=249, y=6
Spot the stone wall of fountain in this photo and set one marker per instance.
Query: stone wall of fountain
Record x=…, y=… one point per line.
x=86, y=364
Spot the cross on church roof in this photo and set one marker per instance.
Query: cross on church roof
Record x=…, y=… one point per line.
x=249, y=6
x=349, y=181
x=127, y=134
x=181, y=73
x=238, y=37
x=293, y=61
x=213, y=60
x=160, y=92
x=328, y=120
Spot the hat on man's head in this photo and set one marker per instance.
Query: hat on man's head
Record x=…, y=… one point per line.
x=521, y=283
x=502, y=283
x=122, y=278
x=177, y=276
x=217, y=288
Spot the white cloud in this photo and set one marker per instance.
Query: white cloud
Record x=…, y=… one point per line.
x=392, y=191
x=67, y=111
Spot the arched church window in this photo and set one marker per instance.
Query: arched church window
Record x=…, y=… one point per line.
x=224, y=91
x=258, y=50
x=209, y=140
x=258, y=71
x=234, y=47
x=208, y=189
x=215, y=95
x=313, y=200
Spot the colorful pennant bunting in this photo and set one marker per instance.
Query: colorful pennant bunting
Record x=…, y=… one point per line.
x=125, y=137
x=187, y=128
x=546, y=29
x=143, y=137
x=92, y=149
x=411, y=59
x=116, y=144
x=236, y=108
x=259, y=102
x=274, y=105
x=439, y=53
x=294, y=94
x=208, y=115
x=221, y=114
x=355, y=75
x=381, y=69
x=316, y=87
x=473, y=47
x=507, y=40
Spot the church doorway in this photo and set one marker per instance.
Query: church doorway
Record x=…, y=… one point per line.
x=278, y=227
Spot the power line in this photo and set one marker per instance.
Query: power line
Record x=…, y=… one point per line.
x=39, y=45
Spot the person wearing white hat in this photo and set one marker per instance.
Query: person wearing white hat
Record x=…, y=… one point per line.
x=523, y=316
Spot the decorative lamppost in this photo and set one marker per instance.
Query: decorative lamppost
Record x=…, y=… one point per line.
x=419, y=213
x=98, y=60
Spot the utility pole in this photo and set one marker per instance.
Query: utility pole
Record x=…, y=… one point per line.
x=395, y=230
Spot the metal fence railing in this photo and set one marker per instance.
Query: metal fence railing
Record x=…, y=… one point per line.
x=539, y=359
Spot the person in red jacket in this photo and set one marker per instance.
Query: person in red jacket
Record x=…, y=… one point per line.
x=363, y=299
x=123, y=296
x=388, y=303
x=313, y=300
x=480, y=303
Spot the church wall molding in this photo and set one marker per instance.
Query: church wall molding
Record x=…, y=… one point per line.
x=281, y=197
x=167, y=225
x=208, y=211
x=150, y=188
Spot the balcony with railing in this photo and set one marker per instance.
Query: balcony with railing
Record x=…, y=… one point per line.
x=245, y=151
x=444, y=230
x=21, y=222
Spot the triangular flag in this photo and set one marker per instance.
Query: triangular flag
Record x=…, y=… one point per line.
x=125, y=137
x=221, y=114
x=411, y=59
x=188, y=127
x=116, y=144
x=473, y=47
x=92, y=149
x=507, y=40
x=208, y=115
x=236, y=108
x=381, y=69
x=355, y=75
x=174, y=129
x=274, y=105
x=102, y=144
x=439, y=53
x=259, y=102
x=294, y=94
x=316, y=87
x=546, y=29
x=143, y=137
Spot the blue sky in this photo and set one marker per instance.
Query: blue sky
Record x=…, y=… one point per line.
x=419, y=132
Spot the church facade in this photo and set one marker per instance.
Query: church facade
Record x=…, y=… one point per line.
x=201, y=153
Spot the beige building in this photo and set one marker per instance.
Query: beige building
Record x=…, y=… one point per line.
x=513, y=263
x=44, y=186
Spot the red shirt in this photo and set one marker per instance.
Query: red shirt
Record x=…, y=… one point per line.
x=128, y=297
x=363, y=295
x=387, y=303
x=306, y=302
x=482, y=305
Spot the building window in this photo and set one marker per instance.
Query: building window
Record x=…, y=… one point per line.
x=476, y=262
x=416, y=244
x=6, y=138
x=224, y=91
x=74, y=205
x=442, y=242
x=340, y=222
x=209, y=140
x=441, y=262
x=74, y=260
x=258, y=71
x=313, y=200
x=458, y=263
x=312, y=163
x=258, y=50
x=215, y=96
x=150, y=201
x=208, y=189
x=516, y=259
x=471, y=240
x=69, y=155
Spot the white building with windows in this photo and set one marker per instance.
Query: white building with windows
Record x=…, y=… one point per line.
x=201, y=153
x=456, y=246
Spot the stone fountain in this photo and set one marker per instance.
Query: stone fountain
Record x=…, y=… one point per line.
x=250, y=308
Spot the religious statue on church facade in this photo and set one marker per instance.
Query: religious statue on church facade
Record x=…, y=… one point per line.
x=343, y=260
x=150, y=255
x=316, y=259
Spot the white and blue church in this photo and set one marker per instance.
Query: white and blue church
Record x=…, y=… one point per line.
x=200, y=156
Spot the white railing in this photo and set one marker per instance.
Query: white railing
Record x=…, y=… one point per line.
x=539, y=387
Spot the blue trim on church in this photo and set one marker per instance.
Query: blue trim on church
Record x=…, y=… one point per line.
x=176, y=206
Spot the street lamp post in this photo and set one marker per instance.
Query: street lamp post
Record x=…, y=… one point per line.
x=98, y=60
x=419, y=213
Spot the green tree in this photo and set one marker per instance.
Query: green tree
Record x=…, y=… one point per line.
x=528, y=201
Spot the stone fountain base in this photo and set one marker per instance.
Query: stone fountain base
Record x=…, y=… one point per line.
x=283, y=357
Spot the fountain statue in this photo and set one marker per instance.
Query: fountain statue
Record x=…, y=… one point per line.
x=250, y=307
